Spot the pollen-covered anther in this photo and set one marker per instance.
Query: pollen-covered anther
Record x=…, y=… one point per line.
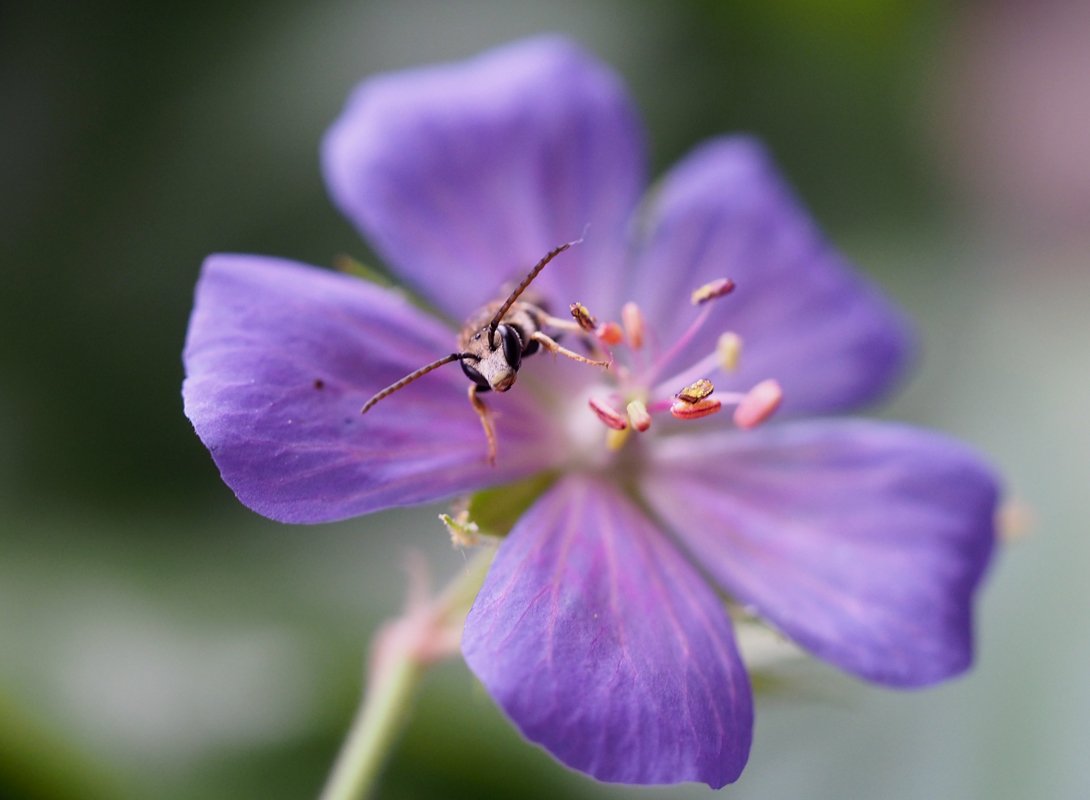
x=728, y=349
x=609, y=416
x=759, y=404
x=638, y=415
x=583, y=316
x=632, y=319
x=696, y=391
x=713, y=290
x=609, y=334
x=683, y=409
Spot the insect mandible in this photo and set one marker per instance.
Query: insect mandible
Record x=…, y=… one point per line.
x=495, y=340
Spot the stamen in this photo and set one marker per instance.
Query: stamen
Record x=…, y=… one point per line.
x=724, y=357
x=658, y=406
x=609, y=416
x=758, y=405
x=632, y=318
x=615, y=439
x=702, y=408
x=728, y=350
x=713, y=290
x=581, y=315
x=696, y=391
x=664, y=360
x=610, y=334
x=638, y=415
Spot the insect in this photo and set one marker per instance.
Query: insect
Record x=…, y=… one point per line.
x=495, y=340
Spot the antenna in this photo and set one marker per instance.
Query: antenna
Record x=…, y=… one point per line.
x=412, y=376
x=517, y=293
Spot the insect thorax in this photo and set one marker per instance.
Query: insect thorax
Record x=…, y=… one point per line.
x=526, y=318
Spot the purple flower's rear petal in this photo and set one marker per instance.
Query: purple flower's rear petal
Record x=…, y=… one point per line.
x=806, y=318
x=862, y=541
x=279, y=360
x=606, y=647
x=464, y=175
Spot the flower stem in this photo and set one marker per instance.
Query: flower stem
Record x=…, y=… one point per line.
x=403, y=648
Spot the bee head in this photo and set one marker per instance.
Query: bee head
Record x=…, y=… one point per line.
x=493, y=362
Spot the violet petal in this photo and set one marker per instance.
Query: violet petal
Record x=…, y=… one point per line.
x=807, y=319
x=464, y=175
x=862, y=541
x=280, y=359
x=605, y=646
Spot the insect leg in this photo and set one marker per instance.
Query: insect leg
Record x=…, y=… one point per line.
x=553, y=347
x=486, y=422
x=561, y=324
x=572, y=327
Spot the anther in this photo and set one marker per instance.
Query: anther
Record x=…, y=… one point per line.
x=638, y=415
x=581, y=315
x=728, y=350
x=759, y=404
x=696, y=391
x=702, y=408
x=713, y=290
x=609, y=334
x=632, y=318
x=609, y=416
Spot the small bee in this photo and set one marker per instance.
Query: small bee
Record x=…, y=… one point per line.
x=493, y=343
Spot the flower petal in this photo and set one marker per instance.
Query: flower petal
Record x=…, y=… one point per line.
x=464, y=175
x=606, y=647
x=280, y=359
x=862, y=541
x=806, y=318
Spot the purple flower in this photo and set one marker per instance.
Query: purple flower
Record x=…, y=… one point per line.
x=600, y=629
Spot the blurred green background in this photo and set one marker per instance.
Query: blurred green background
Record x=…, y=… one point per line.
x=159, y=640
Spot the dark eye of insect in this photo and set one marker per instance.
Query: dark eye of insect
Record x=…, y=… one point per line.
x=512, y=345
x=475, y=376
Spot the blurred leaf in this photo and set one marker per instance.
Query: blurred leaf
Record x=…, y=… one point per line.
x=497, y=510
x=38, y=765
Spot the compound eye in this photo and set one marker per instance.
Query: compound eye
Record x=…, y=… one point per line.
x=474, y=375
x=512, y=345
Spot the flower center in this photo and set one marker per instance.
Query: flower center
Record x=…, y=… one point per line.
x=637, y=394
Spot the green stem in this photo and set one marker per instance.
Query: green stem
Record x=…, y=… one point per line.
x=402, y=650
